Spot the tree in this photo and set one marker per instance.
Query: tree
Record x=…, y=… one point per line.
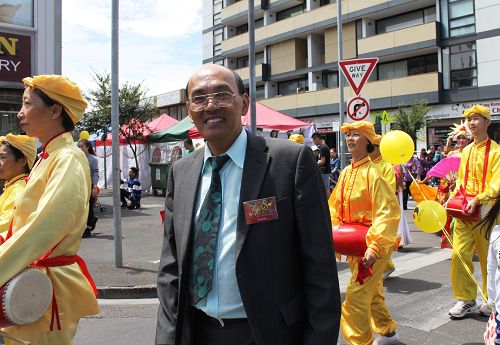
x=412, y=118
x=135, y=109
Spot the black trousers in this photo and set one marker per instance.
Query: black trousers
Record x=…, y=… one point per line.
x=90, y=218
x=209, y=331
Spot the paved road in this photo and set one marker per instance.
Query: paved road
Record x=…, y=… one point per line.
x=418, y=295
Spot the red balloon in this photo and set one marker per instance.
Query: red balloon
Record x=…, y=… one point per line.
x=350, y=239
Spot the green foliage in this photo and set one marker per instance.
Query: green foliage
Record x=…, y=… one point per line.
x=135, y=109
x=412, y=118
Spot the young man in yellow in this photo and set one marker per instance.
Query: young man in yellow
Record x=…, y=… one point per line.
x=50, y=217
x=362, y=197
x=478, y=162
x=387, y=172
x=17, y=155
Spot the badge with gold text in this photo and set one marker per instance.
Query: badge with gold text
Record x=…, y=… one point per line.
x=260, y=210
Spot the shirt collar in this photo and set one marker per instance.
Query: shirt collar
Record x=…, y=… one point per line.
x=236, y=152
x=482, y=143
x=14, y=180
x=360, y=162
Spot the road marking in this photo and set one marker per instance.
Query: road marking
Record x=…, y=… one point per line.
x=152, y=205
x=155, y=261
x=127, y=301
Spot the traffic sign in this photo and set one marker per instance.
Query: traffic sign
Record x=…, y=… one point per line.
x=385, y=117
x=358, y=108
x=358, y=71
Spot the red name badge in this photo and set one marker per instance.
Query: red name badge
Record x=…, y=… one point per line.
x=260, y=210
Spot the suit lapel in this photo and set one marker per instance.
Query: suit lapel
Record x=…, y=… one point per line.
x=189, y=186
x=254, y=171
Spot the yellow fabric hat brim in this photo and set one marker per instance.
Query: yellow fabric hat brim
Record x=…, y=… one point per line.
x=63, y=91
x=479, y=110
x=364, y=127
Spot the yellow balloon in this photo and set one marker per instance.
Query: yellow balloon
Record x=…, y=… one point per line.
x=84, y=135
x=429, y=216
x=396, y=147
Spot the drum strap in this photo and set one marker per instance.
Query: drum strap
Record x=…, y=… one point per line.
x=57, y=261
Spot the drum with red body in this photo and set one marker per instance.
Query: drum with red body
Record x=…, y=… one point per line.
x=456, y=205
x=350, y=239
x=25, y=298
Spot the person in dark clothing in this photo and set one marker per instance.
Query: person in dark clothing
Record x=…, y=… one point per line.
x=131, y=197
x=323, y=160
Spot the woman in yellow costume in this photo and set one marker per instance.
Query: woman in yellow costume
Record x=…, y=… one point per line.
x=362, y=197
x=17, y=155
x=50, y=217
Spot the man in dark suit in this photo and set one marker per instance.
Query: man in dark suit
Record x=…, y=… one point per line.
x=248, y=255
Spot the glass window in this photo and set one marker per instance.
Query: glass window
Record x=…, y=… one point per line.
x=455, y=23
x=292, y=86
x=242, y=62
x=465, y=30
x=463, y=65
x=259, y=58
x=17, y=12
x=464, y=78
x=400, y=22
x=244, y=28
x=412, y=66
x=217, y=18
x=461, y=8
x=217, y=49
x=217, y=7
x=331, y=80
x=218, y=36
x=430, y=14
x=392, y=70
x=260, y=92
x=463, y=60
x=291, y=12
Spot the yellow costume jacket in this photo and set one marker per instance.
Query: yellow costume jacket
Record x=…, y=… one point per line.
x=52, y=212
x=477, y=152
x=11, y=189
x=368, y=200
x=386, y=171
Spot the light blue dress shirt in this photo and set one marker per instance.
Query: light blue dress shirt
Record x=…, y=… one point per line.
x=224, y=300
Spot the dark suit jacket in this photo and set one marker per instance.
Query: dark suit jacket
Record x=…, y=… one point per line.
x=286, y=269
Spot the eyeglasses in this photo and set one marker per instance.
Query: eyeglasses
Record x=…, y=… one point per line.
x=220, y=99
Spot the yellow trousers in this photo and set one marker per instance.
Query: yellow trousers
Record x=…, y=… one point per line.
x=62, y=337
x=466, y=238
x=364, y=307
x=389, y=266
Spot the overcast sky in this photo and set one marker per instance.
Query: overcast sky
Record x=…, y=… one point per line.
x=160, y=41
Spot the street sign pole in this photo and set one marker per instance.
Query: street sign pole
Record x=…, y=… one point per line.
x=341, y=141
x=251, y=66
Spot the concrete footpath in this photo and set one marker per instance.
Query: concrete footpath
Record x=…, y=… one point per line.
x=142, y=237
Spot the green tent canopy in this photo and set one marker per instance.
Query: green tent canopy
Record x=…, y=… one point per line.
x=180, y=131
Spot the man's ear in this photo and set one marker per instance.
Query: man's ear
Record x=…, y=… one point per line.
x=246, y=103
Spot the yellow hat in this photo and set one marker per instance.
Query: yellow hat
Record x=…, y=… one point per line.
x=479, y=110
x=298, y=138
x=23, y=143
x=364, y=127
x=62, y=90
x=377, y=139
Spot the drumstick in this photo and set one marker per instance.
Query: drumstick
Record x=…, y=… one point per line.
x=11, y=337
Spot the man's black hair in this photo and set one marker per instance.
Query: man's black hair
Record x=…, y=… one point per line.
x=237, y=79
x=370, y=147
x=188, y=141
x=317, y=135
x=67, y=123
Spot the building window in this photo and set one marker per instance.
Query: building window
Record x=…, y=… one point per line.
x=330, y=80
x=403, y=68
x=463, y=65
x=423, y=16
x=244, y=28
x=292, y=86
x=326, y=2
x=219, y=62
x=218, y=35
x=242, y=62
x=217, y=49
x=217, y=18
x=260, y=92
x=291, y=12
x=461, y=17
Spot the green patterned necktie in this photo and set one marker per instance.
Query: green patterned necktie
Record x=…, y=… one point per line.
x=205, y=234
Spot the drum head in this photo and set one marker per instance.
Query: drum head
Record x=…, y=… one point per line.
x=27, y=296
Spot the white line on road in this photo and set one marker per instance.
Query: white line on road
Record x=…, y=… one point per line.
x=125, y=301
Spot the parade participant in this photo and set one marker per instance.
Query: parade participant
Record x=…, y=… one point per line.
x=387, y=172
x=87, y=148
x=50, y=217
x=362, y=197
x=17, y=155
x=247, y=256
x=478, y=163
x=462, y=135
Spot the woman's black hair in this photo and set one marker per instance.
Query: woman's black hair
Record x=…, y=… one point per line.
x=67, y=123
x=491, y=217
x=89, y=146
x=17, y=155
x=370, y=147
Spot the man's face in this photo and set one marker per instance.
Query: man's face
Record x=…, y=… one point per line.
x=316, y=141
x=215, y=123
x=478, y=125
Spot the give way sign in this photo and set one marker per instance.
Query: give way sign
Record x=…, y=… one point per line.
x=358, y=71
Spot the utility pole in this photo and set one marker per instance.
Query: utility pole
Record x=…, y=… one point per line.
x=341, y=86
x=115, y=126
x=251, y=66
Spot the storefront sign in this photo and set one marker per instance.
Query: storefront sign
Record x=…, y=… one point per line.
x=169, y=98
x=15, y=57
x=450, y=111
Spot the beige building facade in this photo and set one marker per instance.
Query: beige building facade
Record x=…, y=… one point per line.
x=440, y=51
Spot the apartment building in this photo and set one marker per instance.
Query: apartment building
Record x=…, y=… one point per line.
x=30, y=44
x=443, y=51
